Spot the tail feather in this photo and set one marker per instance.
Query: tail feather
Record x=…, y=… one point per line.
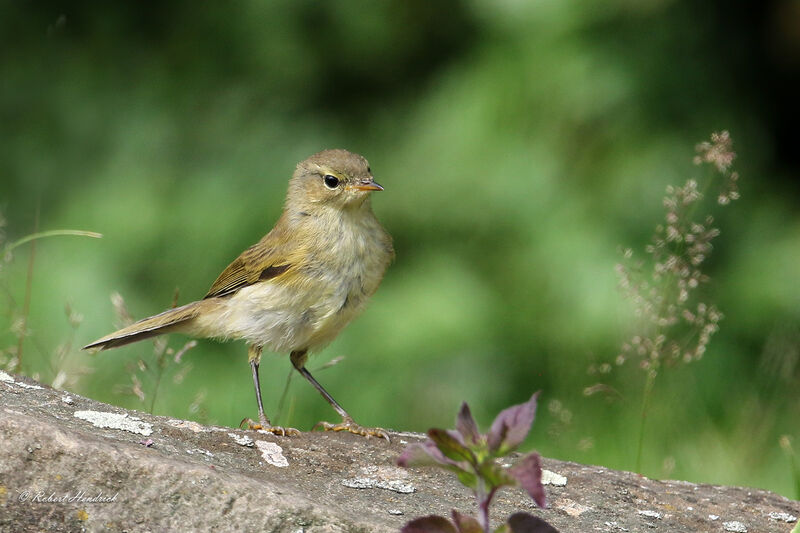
x=170, y=320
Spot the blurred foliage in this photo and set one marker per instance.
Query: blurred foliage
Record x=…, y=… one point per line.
x=521, y=145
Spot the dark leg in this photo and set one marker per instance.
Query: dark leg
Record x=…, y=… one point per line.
x=262, y=418
x=348, y=424
x=254, y=355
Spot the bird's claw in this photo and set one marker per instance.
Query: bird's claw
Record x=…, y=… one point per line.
x=348, y=424
x=265, y=426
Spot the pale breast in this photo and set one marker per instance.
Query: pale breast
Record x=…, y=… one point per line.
x=353, y=263
x=344, y=267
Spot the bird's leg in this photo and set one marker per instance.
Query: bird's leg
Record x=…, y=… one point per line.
x=262, y=418
x=254, y=355
x=347, y=424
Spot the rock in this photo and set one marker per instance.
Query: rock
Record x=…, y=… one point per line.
x=83, y=465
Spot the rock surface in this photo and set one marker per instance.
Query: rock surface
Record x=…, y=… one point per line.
x=69, y=463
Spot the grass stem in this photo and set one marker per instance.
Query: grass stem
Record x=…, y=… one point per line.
x=26, y=305
x=646, y=396
x=52, y=233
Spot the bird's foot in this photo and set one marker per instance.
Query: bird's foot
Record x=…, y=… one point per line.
x=348, y=424
x=264, y=425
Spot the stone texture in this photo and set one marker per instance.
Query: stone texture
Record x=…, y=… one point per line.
x=107, y=469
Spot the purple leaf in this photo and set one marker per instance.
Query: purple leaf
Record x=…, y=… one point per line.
x=429, y=524
x=426, y=454
x=457, y=436
x=511, y=426
x=466, y=425
x=415, y=455
x=528, y=472
x=422, y=454
x=525, y=523
x=466, y=524
x=451, y=445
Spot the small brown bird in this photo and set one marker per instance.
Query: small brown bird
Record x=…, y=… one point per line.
x=296, y=288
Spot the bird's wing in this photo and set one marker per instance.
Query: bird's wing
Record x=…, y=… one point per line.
x=260, y=262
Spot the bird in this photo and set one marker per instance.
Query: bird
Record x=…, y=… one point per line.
x=299, y=286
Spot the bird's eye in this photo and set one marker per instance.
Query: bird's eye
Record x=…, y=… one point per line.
x=331, y=182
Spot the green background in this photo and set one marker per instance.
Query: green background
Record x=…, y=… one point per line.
x=521, y=144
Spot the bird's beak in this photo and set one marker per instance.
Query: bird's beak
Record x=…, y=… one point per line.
x=368, y=186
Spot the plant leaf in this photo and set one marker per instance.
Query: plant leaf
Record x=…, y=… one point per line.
x=466, y=523
x=511, y=426
x=427, y=454
x=52, y=233
x=495, y=475
x=468, y=479
x=450, y=444
x=528, y=471
x=419, y=455
x=466, y=425
x=429, y=524
x=526, y=523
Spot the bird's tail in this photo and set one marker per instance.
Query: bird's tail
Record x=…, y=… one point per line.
x=172, y=320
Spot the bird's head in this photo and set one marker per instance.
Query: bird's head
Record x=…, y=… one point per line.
x=335, y=178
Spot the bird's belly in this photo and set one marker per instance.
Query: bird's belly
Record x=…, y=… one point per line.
x=284, y=318
x=305, y=311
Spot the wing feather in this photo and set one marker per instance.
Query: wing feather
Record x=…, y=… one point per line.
x=260, y=262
